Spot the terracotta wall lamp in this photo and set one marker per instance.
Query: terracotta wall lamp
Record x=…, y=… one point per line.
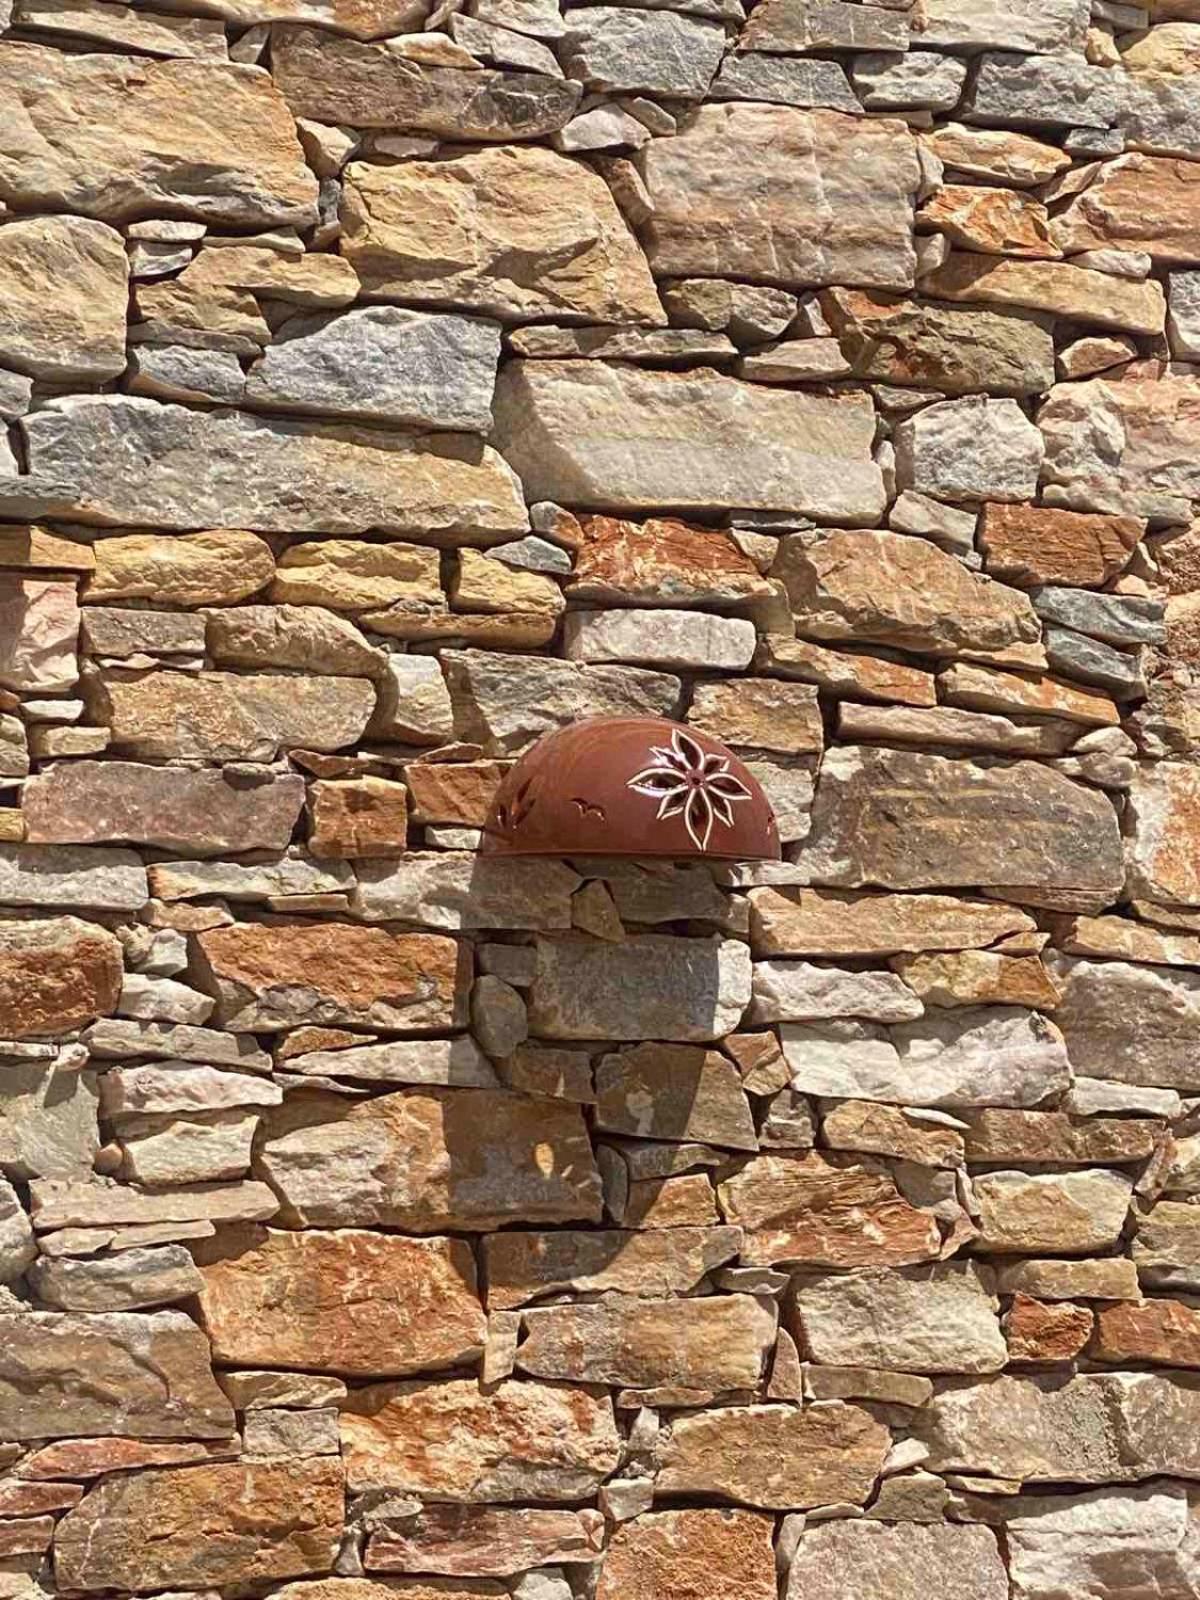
x=631, y=786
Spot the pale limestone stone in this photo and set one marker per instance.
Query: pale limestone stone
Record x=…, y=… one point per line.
x=649, y=986
x=504, y=702
x=85, y=135
x=305, y=638
x=969, y=449
x=800, y=991
x=816, y=216
x=127, y=1281
x=918, y=1319
x=958, y=1562
x=67, y=875
x=625, y=51
x=1030, y=1214
x=678, y=640
x=1112, y=1542
x=452, y=890
x=832, y=922
x=519, y=1441
x=441, y=1063
x=883, y=817
x=1129, y=1024
x=615, y=437
x=39, y=625
x=157, y=34
x=212, y=1148
x=382, y=364
x=1015, y=159
x=117, y=459
x=979, y=1055
x=63, y=283
x=1098, y=1427
x=1183, y=316
x=514, y=232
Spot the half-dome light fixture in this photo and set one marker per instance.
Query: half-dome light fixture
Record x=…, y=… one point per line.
x=631, y=786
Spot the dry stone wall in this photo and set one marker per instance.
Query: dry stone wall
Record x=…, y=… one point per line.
x=387, y=382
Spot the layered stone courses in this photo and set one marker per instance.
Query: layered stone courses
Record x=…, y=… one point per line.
x=384, y=386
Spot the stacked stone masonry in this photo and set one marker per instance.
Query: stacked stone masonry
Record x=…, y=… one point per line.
x=387, y=382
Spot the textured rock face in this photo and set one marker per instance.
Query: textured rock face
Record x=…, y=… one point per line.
x=384, y=385
x=112, y=460
x=134, y=1374
x=522, y=1441
x=909, y=821
x=429, y=1169
x=197, y=1525
x=813, y=218
x=472, y=231
x=603, y=436
x=362, y=1303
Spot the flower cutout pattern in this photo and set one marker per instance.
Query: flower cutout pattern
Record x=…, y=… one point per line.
x=683, y=779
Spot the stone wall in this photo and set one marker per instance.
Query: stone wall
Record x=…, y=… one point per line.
x=385, y=385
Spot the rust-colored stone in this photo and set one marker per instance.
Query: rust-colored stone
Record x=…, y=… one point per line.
x=1166, y=1332
x=1042, y=544
x=56, y=976
x=274, y=975
x=808, y=1209
x=363, y=1304
x=1038, y=1330
x=690, y=1555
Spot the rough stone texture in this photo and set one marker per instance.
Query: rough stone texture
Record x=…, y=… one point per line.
x=272, y=976
x=361, y=1304
x=134, y=1374
x=473, y=232
x=961, y=1562
x=689, y=1553
x=87, y=139
x=775, y=1457
x=578, y=432
x=885, y=588
x=198, y=1525
x=449, y=1441
x=111, y=459
x=918, y=1319
x=430, y=1171
x=384, y=385
x=903, y=820
x=814, y=217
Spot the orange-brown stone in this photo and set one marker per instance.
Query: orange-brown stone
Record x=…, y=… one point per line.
x=55, y=976
x=363, y=1304
x=1161, y=1331
x=1038, y=1330
x=1041, y=544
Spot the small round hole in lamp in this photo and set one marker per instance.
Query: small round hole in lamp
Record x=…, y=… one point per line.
x=631, y=786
